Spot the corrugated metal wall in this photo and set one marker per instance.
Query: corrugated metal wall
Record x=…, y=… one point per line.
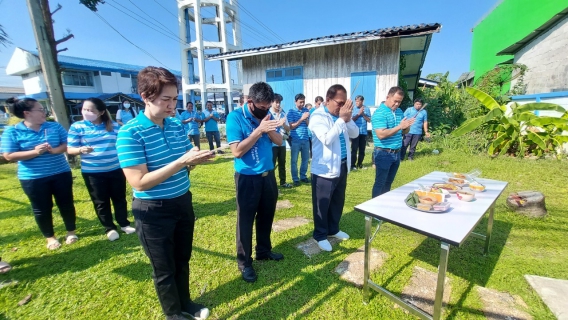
x=329, y=65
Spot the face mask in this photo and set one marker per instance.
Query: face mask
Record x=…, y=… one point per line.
x=89, y=116
x=259, y=113
x=126, y=105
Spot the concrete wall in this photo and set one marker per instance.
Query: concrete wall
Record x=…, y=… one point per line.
x=34, y=83
x=547, y=60
x=329, y=65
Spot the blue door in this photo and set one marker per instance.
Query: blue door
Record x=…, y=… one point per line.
x=287, y=82
x=365, y=84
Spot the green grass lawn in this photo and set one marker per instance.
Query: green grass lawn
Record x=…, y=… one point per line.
x=99, y=279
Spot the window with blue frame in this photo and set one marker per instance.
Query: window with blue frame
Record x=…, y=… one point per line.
x=284, y=74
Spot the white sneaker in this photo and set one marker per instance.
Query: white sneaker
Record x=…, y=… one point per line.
x=341, y=235
x=324, y=245
x=112, y=235
x=128, y=229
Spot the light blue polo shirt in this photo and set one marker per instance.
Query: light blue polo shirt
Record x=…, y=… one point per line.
x=103, y=158
x=281, y=128
x=301, y=132
x=416, y=127
x=192, y=127
x=126, y=115
x=385, y=118
x=341, y=137
x=361, y=122
x=240, y=124
x=21, y=138
x=143, y=142
x=211, y=125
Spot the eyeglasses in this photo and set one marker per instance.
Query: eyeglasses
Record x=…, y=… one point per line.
x=41, y=110
x=340, y=104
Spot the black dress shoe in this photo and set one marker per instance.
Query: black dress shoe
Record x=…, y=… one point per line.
x=305, y=180
x=271, y=256
x=248, y=274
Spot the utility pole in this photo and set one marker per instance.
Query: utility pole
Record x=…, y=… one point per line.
x=48, y=62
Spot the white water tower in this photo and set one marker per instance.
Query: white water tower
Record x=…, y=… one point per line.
x=190, y=14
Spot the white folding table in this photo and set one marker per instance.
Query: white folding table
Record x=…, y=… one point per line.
x=452, y=228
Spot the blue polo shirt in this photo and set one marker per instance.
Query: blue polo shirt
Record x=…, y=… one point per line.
x=211, y=125
x=141, y=141
x=341, y=137
x=192, y=127
x=103, y=158
x=361, y=122
x=126, y=115
x=301, y=132
x=416, y=127
x=385, y=118
x=280, y=129
x=22, y=138
x=240, y=124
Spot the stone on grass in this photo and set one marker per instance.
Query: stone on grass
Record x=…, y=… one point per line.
x=554, y=293
x=502, y=305
x=352, y=268
x=528, y=203
x=421, y=290
x=310, y=247
x=290, y=223
x=283, y=204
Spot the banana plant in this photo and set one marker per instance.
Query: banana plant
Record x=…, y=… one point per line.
x=519, y=132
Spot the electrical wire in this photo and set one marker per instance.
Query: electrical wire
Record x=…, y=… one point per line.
x=257, y=20
x=132, y=43
x=152, y=18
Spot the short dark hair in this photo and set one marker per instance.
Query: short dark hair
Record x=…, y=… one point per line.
x=333, y=90
x=395, y=90
x=261, y=92
x=419, y=100
x=209, y=102
x=299, y=96
x=102, y=107
x=188, y=103
x=319, y=98
x=17, y=106
x=151, y=81
x=360, y=97
x=278, y=97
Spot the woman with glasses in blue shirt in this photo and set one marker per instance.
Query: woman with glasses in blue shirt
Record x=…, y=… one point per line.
x=38, y=146
x=94, y=139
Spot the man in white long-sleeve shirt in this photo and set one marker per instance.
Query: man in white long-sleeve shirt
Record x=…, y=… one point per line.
x=332, y=128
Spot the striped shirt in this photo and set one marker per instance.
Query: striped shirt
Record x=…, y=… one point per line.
x=192, y=127
x=143, y=142
x=87, y=134
x=301, y=132
x=361, y=122
x=278, y=116
x=22, y=138
x=341, y=137
x=385, y=118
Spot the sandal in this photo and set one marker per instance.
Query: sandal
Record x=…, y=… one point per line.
x=52, y=245
x=4, y=267
x=71, y=239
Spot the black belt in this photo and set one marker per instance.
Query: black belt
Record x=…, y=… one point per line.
x=344, y=161
x=388, y=150
x=265, y=173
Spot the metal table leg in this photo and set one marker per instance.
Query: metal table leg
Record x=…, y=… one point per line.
x=489, y=229
x=441, y=280
x=366, y=275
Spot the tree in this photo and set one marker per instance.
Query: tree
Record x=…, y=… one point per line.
x=4, y=39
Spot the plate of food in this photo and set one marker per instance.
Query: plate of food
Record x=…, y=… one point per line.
x=476, y=187
x=457, y=181
x=426, y=203
x=457, y=175
x=451, y=188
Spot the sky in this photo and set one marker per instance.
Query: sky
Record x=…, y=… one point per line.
x=274, y=22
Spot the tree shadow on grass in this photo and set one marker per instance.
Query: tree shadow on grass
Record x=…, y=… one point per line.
x=138, y=271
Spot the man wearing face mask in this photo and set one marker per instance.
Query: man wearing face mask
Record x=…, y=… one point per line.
x=251, y=133
x=125, y=114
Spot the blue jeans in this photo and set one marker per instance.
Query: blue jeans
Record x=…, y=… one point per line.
x=386, y=167
x=303, y=147
x=213, y=134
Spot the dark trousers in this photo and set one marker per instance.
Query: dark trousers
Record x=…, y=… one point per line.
x=40, y=192
x=279, y=153
x=328, y=198
x=358, y=146
x=409, y=140
x=310, y=140
x=194, y=138
x=165, y=229
x=104, y=187
x=386, y=164
x=213, y=134
x=256, y=201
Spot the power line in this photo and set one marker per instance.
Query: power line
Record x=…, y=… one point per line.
x=257, y=20
x=168, y=11
x=149, y=16
x=132, y=43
